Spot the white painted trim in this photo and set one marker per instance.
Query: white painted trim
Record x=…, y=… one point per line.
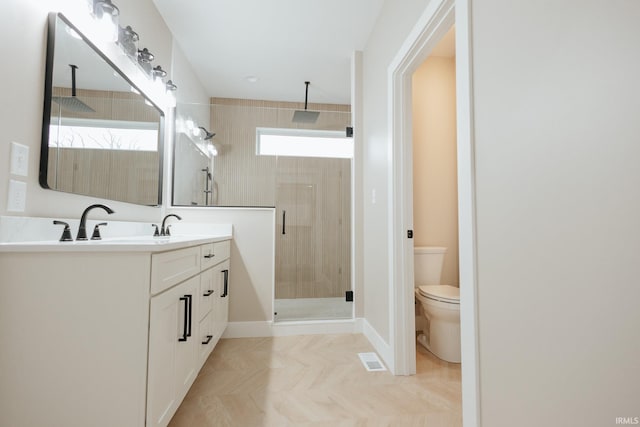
x=279, y=329
x=380, y=345
x=428, y=31
x=357, y=192
x=431, y=26
x=471, y=408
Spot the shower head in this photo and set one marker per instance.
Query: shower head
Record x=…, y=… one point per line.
x=72, y=103
x=207, y=135
x=305, y=116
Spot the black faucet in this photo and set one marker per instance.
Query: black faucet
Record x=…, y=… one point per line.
x=164, y=231
x=82, y=230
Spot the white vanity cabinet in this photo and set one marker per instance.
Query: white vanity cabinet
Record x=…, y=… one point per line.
x=172, y=350
x=182, y=332
x=104, y=335
x=214, y=299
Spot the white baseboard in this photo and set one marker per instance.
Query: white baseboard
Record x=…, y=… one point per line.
x=380, y=345
x=279, y=329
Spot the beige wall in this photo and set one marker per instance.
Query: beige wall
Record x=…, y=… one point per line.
x=242, y=177
x=435, y=183
x=558, y=207
x=396, y=19
x=555, y=151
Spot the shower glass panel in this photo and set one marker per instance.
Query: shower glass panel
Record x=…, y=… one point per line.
x=313, y=263
x=311, y=195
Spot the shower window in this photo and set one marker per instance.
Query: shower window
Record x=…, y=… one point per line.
x=303, y=143
x=104, y=134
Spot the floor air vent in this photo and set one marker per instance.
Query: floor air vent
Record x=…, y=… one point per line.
x=371, y=362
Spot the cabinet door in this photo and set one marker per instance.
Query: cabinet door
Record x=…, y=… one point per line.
x=187, y=346
x=222, y=306
x=172, y=352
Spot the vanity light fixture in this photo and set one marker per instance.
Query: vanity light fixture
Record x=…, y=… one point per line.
x=158, y=72
x=107, y=16
x=144, y=60
x=145, y=56
x=171, y=87
x=128, y=40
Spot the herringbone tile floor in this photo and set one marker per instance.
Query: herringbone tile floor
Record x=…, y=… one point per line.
x=316, y=380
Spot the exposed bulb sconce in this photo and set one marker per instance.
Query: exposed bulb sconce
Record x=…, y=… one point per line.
x=128, y=40
x=171, y=87
x=144, y=60
x=107, y=16
x=145, y=56
x=159, y=73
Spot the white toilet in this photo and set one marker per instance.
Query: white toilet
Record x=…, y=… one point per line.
x=440, y=305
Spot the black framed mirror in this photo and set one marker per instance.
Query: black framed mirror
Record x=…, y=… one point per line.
x=101, y=136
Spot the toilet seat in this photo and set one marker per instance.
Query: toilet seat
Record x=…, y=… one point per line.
x=443, y=293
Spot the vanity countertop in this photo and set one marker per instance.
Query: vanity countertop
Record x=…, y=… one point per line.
x=116, y=244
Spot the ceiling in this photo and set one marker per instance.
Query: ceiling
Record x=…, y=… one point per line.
x=281, y=43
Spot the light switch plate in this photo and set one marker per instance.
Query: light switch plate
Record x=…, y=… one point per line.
x=19, y=159
x=17, y=200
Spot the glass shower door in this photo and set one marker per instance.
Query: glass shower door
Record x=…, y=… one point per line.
x=313, y=260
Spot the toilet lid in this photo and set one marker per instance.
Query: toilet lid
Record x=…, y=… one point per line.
x=445, y=293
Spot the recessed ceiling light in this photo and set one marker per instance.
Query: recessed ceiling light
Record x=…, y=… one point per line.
x=251, y=79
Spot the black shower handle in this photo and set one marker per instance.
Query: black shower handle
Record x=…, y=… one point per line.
x=284, y=222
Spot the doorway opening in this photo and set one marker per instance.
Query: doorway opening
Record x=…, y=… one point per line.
x=432, y=25
x=435, y=201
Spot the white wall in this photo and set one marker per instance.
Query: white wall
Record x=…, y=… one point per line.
x=435, y=183
x=23, y=25
x=252, y=274
x=557, y=92
x=396, y=19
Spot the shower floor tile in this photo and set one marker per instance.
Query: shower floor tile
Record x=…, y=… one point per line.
x=312, y=309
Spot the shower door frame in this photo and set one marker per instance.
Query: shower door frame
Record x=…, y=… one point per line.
x=346, y=219
x=350, y=252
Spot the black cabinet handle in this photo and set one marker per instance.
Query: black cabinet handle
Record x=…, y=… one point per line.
x=209, y=292
x=226, y=283
x=186, y=314
x=190, y=313
x=209, y=256
x=284, y=222
x=208, y=340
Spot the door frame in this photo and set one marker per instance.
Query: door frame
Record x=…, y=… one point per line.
x=433, y=24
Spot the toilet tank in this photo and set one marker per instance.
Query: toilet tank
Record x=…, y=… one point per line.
x=427, y=265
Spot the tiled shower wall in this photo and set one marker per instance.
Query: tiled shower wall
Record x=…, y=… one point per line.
x=241, y=177
x=313, y=256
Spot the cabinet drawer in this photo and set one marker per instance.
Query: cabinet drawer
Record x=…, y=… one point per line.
x=214, y=253
x=206, y=339
x=208, y=292
x=222, y=250
x=170, y=268
x=208, y=257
